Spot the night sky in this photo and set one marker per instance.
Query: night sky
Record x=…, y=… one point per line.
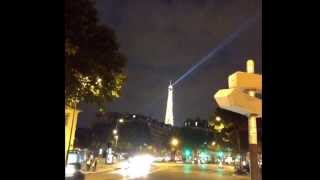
x=162, y=39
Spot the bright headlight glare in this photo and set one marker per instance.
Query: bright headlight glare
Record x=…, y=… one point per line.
x=70, y=170
x=137, y=166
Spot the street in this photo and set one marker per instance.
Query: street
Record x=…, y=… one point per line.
x=167, y=171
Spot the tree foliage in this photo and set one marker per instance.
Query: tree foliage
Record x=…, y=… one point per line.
x=193, y=138
x=93, y=63
x=227, y=129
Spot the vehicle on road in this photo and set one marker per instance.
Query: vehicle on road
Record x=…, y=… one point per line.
x=73, y=165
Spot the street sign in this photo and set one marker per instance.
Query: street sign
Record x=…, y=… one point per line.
x=237, y=101
x=240, y=98
x=245, y=81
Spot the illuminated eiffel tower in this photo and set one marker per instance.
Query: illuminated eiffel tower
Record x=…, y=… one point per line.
x=169, y=110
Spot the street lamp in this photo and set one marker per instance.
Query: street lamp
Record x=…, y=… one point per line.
x=121, y=120
x=115, y=131
x=213, y=143
x=218, y=118
x=174, y=142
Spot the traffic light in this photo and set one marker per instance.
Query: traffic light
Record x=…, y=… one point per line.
x=220, y=154
x=187, y=152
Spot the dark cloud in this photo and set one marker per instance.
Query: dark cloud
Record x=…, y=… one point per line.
x=163, y=39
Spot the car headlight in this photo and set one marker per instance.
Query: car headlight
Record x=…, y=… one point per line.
x=70, y=170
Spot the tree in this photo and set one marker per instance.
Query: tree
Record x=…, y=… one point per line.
x=101, y=135
x=93, y=63
x=193, y=138
x=227, y=129
x=136, y=133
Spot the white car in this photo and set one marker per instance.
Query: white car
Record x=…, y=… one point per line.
x=73, y=165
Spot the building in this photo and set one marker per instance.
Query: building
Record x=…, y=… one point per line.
x=159, y=131
x=196, y=123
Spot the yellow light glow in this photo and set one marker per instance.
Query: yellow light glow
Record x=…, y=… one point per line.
x=219, y=128
x=115, y=131
x=174, y=142
x=213, y=143
x=250, y=66
x=218, y=118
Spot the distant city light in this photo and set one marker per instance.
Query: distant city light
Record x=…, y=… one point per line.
x=196, y=123
x=115, y=131
x=218, y=118
x=134, y=116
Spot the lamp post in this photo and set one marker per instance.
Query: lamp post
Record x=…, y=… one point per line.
x=174, y=142
x=115, y=130
x=116, y=137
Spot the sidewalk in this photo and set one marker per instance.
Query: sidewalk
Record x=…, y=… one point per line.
x=102, y=167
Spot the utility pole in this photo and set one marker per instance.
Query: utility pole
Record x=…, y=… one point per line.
x=252, y=129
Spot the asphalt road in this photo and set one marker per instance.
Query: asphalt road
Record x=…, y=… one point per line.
x=168, y=171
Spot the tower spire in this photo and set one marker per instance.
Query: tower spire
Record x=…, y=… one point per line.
x=169, y=110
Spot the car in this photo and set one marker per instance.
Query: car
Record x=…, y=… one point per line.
x=73, y=165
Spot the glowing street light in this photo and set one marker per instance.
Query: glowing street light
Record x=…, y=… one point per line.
x=213, y=143
x=218, y=118
x=115, y=131
x=174, y=142
x=121, y=120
